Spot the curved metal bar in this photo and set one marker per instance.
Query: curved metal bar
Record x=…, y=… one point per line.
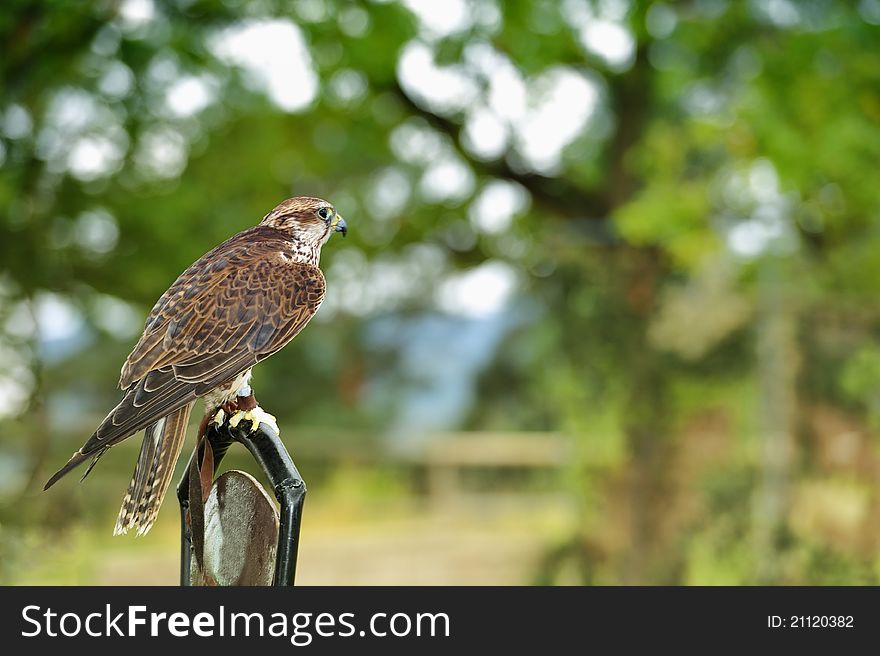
x=289, y=489
x=287, y=484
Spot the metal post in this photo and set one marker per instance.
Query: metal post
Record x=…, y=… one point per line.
x=287, y=485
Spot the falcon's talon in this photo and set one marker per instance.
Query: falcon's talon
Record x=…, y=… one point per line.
x=235, y=419
x=256, y=416
x=219, y=417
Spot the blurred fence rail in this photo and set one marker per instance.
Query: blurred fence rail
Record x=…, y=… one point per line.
x=447, y=458
x=442, y=466
x=445, y=461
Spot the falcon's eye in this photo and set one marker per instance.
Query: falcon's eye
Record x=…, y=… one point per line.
x=325, y=213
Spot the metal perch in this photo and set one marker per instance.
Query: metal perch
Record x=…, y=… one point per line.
x=288, y=486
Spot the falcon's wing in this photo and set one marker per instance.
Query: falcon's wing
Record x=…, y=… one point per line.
x=235, y=306
x=244, y=297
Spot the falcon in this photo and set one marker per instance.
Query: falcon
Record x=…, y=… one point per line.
x=235, y=306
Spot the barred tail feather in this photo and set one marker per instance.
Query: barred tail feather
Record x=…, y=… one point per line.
x=163, y=441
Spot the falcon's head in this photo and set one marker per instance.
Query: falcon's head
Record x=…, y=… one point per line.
x=309, y=221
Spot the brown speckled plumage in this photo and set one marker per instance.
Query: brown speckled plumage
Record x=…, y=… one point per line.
x=235, y=306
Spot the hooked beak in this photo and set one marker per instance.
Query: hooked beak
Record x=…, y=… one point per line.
x=339, y=225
